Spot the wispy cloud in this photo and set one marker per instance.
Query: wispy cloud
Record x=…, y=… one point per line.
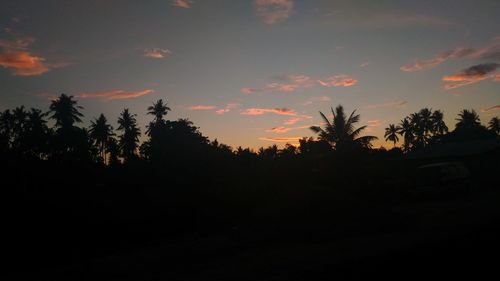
x=471, y=75
x=115, y=94
x=341, y=80
x=15, y=54
x=491, y=52
x=292, y=83
x=284, y=139
x=202, y=107
x=273, y=11
x=261, y=111
x=250, y=90
x=397, y=103
x=282, y=129
x=24, y=63
x=181, y=4
x=227, y=108
x=292, y=121
x=365, y=64
x=157, y=53
x=496, y=107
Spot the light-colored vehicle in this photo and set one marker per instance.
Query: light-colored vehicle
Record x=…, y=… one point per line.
x=439, y=178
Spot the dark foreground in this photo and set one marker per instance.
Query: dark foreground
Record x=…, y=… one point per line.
x=433, y=238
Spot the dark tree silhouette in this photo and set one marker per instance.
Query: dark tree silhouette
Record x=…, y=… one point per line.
x=407, y=132
x=100, y=132
x=37, y=134
x=438, y=125
x=391, y=133
x=158, y=110
x=494, y=125
x=129, y=139
x=341, y=133
x=468, y=119
x=65, y=111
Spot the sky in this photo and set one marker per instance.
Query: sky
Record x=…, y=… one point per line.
x=254, y=73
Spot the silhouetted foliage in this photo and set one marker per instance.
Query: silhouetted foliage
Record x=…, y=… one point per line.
x=341, y=133
x=129, y=139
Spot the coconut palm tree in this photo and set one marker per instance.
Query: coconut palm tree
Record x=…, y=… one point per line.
x=438, y=125
x=158, y=110
x=340, y=132
x=391, y=133
x=468, y=119
x=65, y=111
x=129, y=139
x=494, y=125
x=100, y=132
x=6, y=126
x=406, y=130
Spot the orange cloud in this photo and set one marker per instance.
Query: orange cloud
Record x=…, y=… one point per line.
x=202, y=107
x=115, y=94
x=292, y=121
x=496, y=107
x=279, y=129
x=23, y=63
x=181, y=4
x=250, y=90
x=261, y=111
x=17, y=44
x=341, y=80
x=471, y=75
x=228, y=108
x=157, y=53
x=273, y=11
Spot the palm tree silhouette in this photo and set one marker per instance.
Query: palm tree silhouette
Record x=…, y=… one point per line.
x=65, y=111
x=494, y=125
x=340, y=132
x=406, y=130
x=100, y=131
x=36, y=133
x=6, y=126
x=438, y=125
x=468, y=119
x=391, y=133
x=130, y=138
x=158, y=110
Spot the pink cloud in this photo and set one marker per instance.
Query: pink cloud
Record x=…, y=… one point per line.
x=496, y=107
x=341, y=80
x=157, y=53
x=279, y=129
x=292, y=121
x=24, y=63
x=202, y=107
x=471, y=75
x=250, y=90
x=181, y=4
x=261, y=111
x=273, y=11
x=116, y=94
x=282, y=87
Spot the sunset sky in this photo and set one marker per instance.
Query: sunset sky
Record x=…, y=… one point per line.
x=254, y=73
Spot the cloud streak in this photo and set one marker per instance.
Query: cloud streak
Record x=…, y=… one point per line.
x=157, y=53
x=262, y=111
x=115, y=94
x=202, y=107
x=341, y=80
x=471, y=75
x=398, y=103
x=496, y=107
x=181, y=4
x=273, y=11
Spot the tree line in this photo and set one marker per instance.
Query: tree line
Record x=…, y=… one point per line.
x=25, y=132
